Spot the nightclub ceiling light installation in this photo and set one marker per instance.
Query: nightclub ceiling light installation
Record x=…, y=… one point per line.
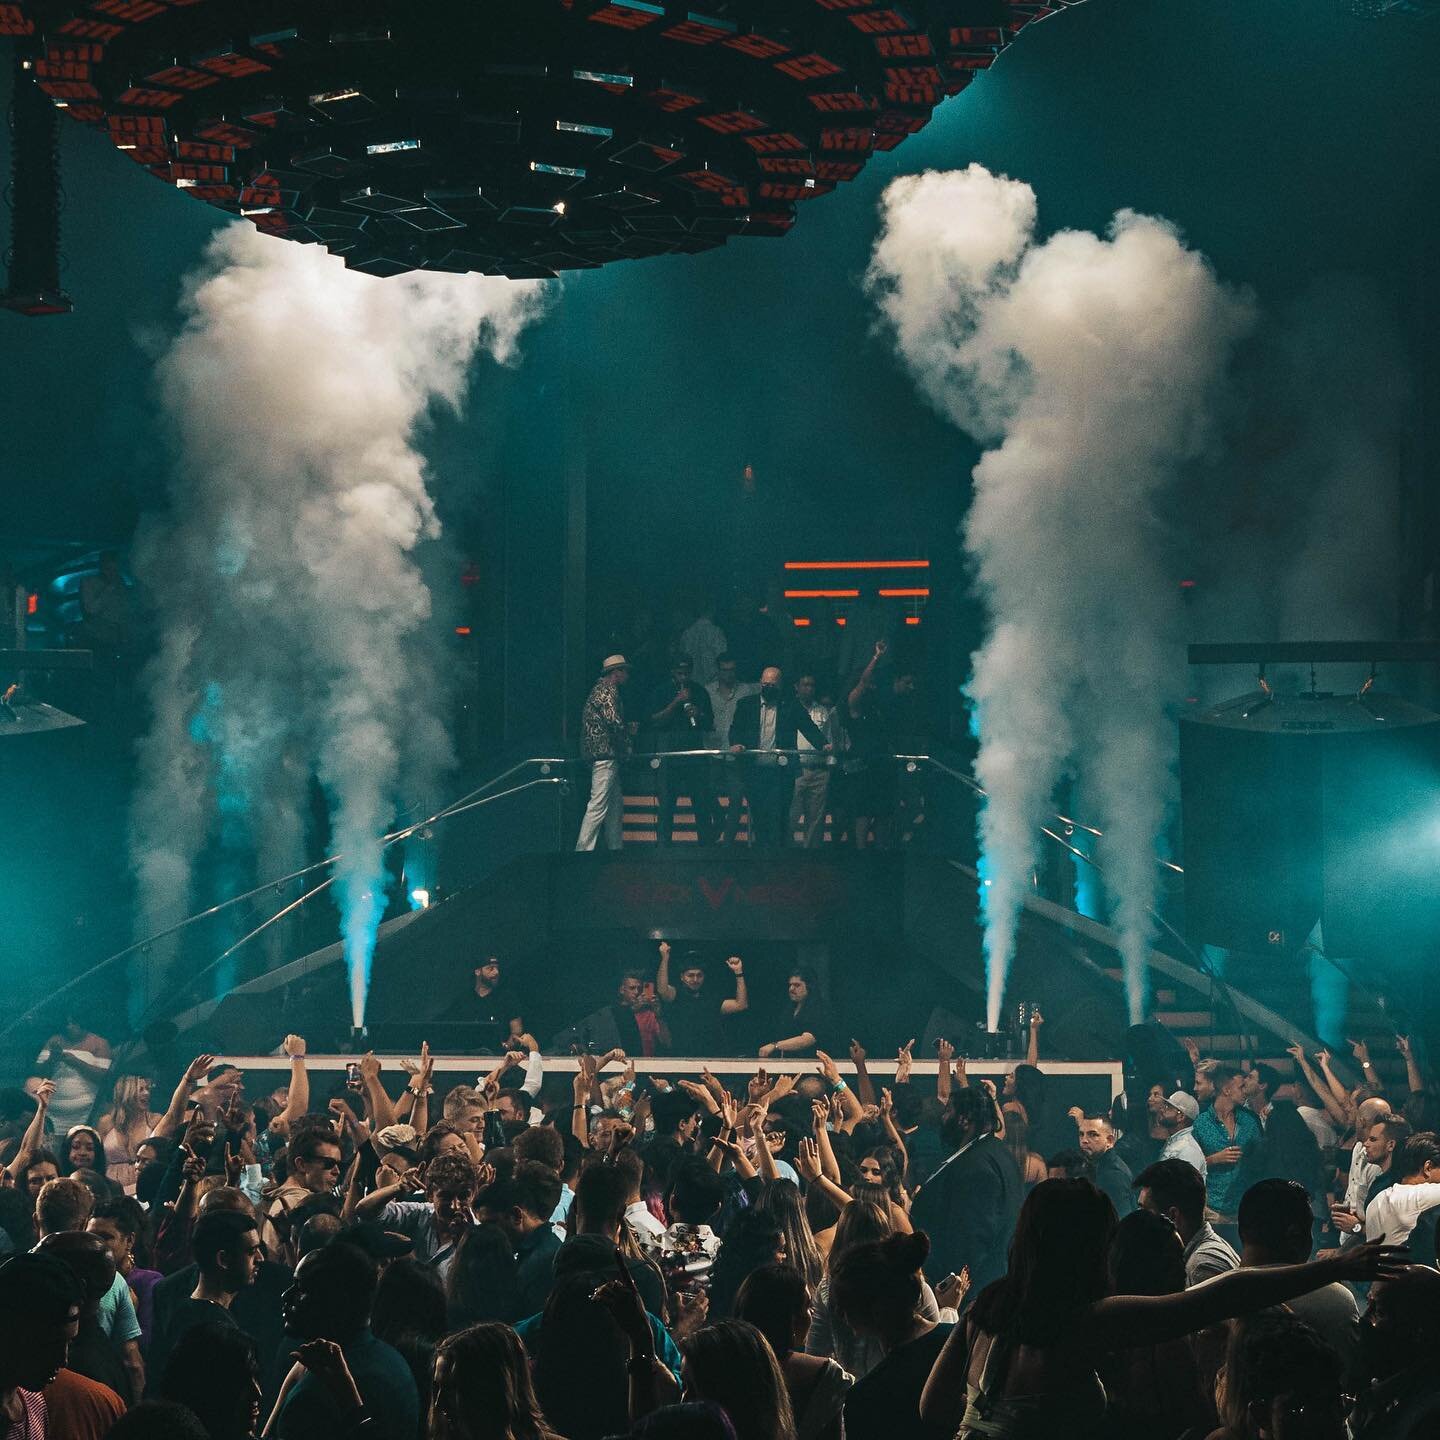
x=518, y=137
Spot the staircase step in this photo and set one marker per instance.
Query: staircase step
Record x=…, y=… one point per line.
x=1184, y=1019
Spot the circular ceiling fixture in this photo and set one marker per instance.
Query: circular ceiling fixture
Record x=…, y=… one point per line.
x=516, y=137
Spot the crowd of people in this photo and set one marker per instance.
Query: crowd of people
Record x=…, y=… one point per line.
x=794, y=747
x=806, y=1255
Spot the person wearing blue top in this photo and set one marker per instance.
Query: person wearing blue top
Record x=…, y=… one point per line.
x=1226, y=1132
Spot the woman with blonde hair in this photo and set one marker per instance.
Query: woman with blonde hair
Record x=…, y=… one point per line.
x=127, y=1125
x=483, y=1389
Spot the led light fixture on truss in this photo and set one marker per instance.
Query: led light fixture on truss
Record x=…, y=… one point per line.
x=517, y=137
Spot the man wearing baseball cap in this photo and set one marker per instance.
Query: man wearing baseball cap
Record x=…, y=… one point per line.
x=1176, y=1117
x=605, y=742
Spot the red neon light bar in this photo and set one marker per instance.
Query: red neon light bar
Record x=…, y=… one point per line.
x=801, y=621
x=822, y=594
x=857, y=564
x=892, y=593
x=912, y=619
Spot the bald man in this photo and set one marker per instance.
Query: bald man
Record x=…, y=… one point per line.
x=763, y=724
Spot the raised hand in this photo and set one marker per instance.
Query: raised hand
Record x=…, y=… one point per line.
x=857, y=1053
x=903, y=1060
x=827, y=1067
x=1296, y=1052
x=370, y=1066
x=759, y=1084
x=819, y=1114
x=1192, y=1048
x=1323, y=1057
x=944, y=1050
x=293, y=1045
x=1036, y=1018
x=783, y=1085
x=195, y=1071
x=1361, y=1051
x=44, y=1093
x=1372, y=1262
x=1402, y=1044
x=807, y=1160
x=737, y=966
x=664, y=949
x=887, y=1102
x=234, y=1165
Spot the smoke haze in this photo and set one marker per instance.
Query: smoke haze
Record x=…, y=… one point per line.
x=1089, y=365
x=293, y=613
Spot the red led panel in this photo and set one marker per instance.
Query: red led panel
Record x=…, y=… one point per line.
x=672, y=100
x=12, y=22
x=628, y=15
x=101, y=30
x=786, y=165
x=921, y=95
x=841, y=101
x=203, y=174
x=813, y=66
x=233, y=65
x=69, y=89
x=197, y=150
x=182, y=77
x=732, y=122
x=758, y=47
x=224, y=132
x=903, y=47
x=838, y=169
x=880, y=22
x=777, y=142
x=133, y=12
x=699, y=30
x=846, y=137
x=149, y=99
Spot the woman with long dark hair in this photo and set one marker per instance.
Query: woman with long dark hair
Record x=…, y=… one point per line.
x=732, y=1365
x=776, y=1302
x=780, y=1199
x=1024, y=1364
x=483, y=1391
x=82, y=1150
x=753, y=1238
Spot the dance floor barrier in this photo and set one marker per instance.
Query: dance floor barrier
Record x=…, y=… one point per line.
x=1109, y=1070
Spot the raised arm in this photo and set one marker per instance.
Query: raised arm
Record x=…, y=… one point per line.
x=811, y=1168
x=849, y=1103
x=1413, y=1078
x=580, y=1109
x=887, y=1119
x=1340, y=1094
x=1321, y=1089
x=377, y=1200
x=853, y=700
x=829, y=1165
x=1032, y=1050
x=174, y=1116
x=946, y=1052
x=297, y=1099
x=377, y=1102
x=864, y=1086
x=663, y=988
x=34, y=1132
x=742, y=995
x=1361, y=1051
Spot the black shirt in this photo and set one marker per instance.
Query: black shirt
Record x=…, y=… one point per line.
x=675, y=730
x=492, y=1014
x=535, y=1269
x=694, y=1021
x=885, y=1404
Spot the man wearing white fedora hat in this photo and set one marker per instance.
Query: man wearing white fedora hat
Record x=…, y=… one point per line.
x=605, y=742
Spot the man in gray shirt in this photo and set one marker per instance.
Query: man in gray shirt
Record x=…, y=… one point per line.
x=1175, y=1189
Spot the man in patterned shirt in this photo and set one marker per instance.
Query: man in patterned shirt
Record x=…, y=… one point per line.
x=605, y=742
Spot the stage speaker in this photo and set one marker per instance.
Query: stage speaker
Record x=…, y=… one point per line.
x=1306, y=808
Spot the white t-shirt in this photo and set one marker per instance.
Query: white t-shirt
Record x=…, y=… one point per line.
x=1393, y=1213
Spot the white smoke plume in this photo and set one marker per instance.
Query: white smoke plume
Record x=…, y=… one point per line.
x=291, y=604
x=1088, y=365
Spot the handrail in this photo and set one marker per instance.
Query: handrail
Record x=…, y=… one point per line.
x=466, y=802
